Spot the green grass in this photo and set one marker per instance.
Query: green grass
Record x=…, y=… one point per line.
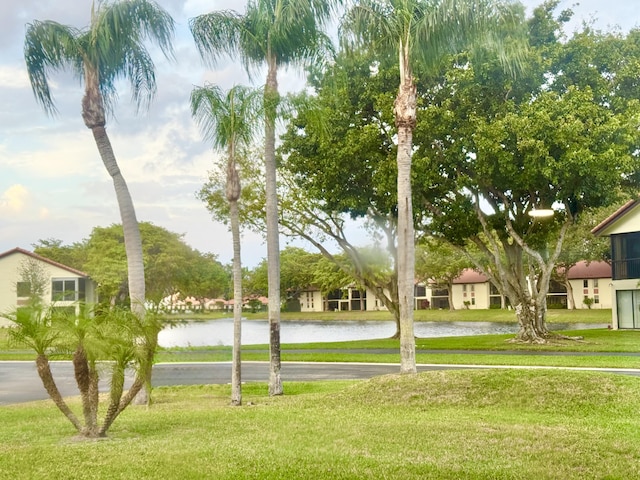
x=594, y=341
x=437, y=425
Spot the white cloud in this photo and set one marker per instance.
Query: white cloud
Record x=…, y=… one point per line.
x=14, y=200
x=12, y=76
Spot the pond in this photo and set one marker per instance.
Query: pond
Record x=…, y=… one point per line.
x=220, y=332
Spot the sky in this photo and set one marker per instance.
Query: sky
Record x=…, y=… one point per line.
x=53, y=184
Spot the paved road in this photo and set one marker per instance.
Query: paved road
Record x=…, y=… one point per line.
x=19, y=381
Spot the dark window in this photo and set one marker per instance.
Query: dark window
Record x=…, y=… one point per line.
x=421, y=291
x=625, y=256
x=64, y=290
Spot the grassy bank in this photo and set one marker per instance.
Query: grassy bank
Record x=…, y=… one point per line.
x=437, y=425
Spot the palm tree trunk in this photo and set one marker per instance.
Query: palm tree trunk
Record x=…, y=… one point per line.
x=405, y=117
x=132, y=237
x=44, y=372
x=114, y=410
x=273, y=242
x=236, y=371
x=115, y=396
x=84, y=379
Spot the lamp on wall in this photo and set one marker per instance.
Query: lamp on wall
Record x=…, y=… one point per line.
x=541, y=212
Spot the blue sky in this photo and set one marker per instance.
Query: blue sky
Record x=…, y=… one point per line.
x=52, y=181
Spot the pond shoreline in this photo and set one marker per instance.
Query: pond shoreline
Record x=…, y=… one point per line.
x=496, y=316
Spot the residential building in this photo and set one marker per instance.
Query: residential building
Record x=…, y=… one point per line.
x=471, y=290
x=65, y=287
x=591, y=281
x=623, y=229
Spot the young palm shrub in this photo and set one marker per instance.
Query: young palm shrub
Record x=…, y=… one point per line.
x=105, y=342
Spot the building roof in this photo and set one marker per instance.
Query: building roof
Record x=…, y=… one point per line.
x=42, y=259
x=471, y=276
x=615, y=217
x=585, y=269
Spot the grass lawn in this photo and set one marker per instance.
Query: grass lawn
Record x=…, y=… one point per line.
x=478, y=349
x=436, y=425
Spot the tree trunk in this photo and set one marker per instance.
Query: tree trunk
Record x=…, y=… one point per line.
x=85, y=378
x=236, y=368
x=113, y=413
x=115, y=396
x=132, y=237
x=452, y=307
x=531, y=320
x=571, y=301
x=271, y=98
x=44, y=372
x=405, y=118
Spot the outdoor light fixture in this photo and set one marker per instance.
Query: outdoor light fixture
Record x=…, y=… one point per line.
x=540, y=212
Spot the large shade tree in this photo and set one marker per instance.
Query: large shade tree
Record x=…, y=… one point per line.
x=230, y=121
x=110, y=48
x=564, y=134
x=271, y=33
x=422, y=31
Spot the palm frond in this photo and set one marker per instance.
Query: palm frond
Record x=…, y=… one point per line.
x=50, y=46
x=216, y=34
x=115, y=46
x=449, y=26
x=228, y=118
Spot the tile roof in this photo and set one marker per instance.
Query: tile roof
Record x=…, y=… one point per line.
x=43, y=259
x=589, y=270
x=471, y=276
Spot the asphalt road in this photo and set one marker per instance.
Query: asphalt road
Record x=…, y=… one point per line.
x=19, y=381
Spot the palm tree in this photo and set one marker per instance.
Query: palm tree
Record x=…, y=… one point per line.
x=273, y=33
x=110, y=48
x=421, y=31
x=229, y=122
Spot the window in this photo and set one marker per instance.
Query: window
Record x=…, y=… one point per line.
x=67, y=289
x=585, y=283
x=596, y=299
x=595, y=283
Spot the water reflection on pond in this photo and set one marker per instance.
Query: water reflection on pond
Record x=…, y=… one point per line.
x=220, y=332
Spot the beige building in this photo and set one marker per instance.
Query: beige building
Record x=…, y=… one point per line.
x=623, y=228
x=591, y=281
x=471, y=290
x=65, y=287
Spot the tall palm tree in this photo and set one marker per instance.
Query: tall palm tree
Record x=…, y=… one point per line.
x=274, y=33
x=421, y=31
x=229, y=122
x=110, y=48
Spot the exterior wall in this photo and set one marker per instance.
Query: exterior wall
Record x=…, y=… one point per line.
x=626, y=222
x=477, y=294
x=9, y=276
x=620, y=285
x=311, y=301
x=597, y=288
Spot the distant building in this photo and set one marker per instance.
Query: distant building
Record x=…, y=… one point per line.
x=65, y=288
x=623, y=228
